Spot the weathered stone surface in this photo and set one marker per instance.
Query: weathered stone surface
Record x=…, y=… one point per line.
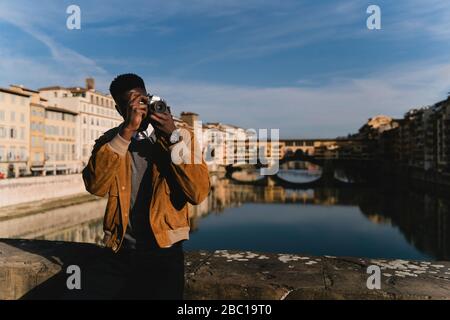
x=28, y=269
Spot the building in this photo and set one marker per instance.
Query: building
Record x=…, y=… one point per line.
x=14, y=133
x=443, y=137
x=96, y=113
x=36, y=161
x=420, y=141
x=226, y=144
x=60, y=141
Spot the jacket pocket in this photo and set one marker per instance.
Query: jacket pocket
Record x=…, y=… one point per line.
x=176, y=219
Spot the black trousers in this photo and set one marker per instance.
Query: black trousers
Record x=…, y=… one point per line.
x=134, y=274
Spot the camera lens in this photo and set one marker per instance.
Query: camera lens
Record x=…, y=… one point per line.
x=160, y=107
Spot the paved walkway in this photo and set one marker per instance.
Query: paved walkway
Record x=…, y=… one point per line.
x=28, y=268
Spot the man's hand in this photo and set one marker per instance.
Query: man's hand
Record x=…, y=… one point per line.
x=136, y=112
x=163, y=123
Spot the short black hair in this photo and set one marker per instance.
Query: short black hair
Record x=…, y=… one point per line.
x=123, y=83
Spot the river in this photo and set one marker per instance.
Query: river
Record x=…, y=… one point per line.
x=363, y=222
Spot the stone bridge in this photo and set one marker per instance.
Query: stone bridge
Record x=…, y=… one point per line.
x=357, y=170
x=32, y=269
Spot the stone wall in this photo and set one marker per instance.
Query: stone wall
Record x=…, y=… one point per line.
x=32, y=269
x=29, y=189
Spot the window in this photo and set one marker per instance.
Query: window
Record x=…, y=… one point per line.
x=22, y=117
x=13, y=116
x=13, y=133
x=2, y=153
x=23, y=153
x=12, y=153
x=2, y=115
x=22, y=133
x=2, y=132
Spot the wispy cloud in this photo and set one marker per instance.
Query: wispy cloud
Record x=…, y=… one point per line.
x=32, y=24
x=336, y=109
x=328, y=103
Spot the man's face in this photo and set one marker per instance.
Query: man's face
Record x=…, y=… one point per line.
x=132, y=98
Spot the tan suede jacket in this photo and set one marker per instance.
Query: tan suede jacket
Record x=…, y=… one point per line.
x=108, y=172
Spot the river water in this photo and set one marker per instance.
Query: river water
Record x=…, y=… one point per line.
x=363, y=222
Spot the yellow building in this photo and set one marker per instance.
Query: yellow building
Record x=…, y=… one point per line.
x=37, y=130
x=14, y=133
x=60, y=141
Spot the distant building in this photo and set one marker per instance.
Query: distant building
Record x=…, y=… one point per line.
x=443, y=136
x=95, y=112
x=60, y=141
x=53, y=130
x=14, y=133
x=36, y=161
x=376, y=126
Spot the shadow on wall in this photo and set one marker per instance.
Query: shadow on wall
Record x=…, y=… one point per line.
x=37, y=269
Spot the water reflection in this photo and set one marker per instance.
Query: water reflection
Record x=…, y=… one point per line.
x=365, y=222
x=300, y=171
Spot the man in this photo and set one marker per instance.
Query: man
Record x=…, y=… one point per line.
x=146, y=218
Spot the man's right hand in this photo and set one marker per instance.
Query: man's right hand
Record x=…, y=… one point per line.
x=136, y=112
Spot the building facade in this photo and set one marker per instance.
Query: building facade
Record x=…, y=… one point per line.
x=36, y=161
x=96, y=114
x=60, y=141
x=14, y=133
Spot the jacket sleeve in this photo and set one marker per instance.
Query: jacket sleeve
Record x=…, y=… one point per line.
x=104, y=164
x=191, y=173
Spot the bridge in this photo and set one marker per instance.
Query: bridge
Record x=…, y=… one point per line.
x=327, y=178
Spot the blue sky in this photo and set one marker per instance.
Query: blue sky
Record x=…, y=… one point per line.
x=309, y=68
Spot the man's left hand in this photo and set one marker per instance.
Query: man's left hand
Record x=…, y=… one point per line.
x=163, y=123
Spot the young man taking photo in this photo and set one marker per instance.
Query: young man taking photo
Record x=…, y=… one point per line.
x=147, y=217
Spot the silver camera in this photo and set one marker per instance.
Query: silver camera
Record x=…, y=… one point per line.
x=157, y=104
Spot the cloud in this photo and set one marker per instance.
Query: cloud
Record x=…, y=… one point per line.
x=66, y=59
x=335, y=109
x=309, y=108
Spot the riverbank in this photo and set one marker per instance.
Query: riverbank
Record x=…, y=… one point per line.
x=32, y=189
x=30, y=208
x=32, y=269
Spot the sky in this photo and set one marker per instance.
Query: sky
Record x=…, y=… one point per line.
x=309, y=68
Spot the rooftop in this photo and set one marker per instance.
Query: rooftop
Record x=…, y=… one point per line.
x=10, y=91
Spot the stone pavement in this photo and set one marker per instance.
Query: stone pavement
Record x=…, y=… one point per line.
x=34, y=269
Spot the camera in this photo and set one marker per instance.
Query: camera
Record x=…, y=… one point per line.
x=157, y=104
